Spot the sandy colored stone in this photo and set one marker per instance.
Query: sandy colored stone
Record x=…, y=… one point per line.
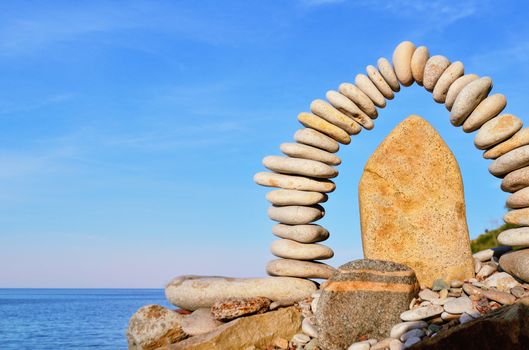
x=298, y=268
x=298, y=166
x=488, y=254
x=359, y=98
x=257, y=331
x=418, y=62
x=288, y=249
x=315, y=138
x=154, y=326
x=485, y=111
x=194, y=292
x=434, y=68
x=232, y=308
x=366, y=85
x=294, y=197
x=502, y=281
x=402, y=57
x=514, y=237
x=326, y=111
x=387, y=72
x=298, y=150
x=201, y=321
x=291, y=182
x=521, y=138
x=449, y=76
x=516, y=263
x=510, y=161
x=456, y=88
x=312, y=121
x=296, y=214
x=421, y=313
x=517, y=217
x=468, y=99
x=497, y=130
x=350, y=109
x=412, y=207
x=379, y=82
x=301, y=233
x=516, y=180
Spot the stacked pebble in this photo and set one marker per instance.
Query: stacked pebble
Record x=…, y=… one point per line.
x=303, y=175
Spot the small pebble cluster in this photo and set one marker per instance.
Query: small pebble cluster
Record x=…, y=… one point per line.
x=303, y=174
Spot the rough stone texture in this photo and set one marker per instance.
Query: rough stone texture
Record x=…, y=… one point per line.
x=312, y=121
x=387, y=72
x=317, y=139
x=517, y=217
x=301, y=233
x=288, y=249
x=291, y=182
x=293, y=197
x=363, y=300
x=379, y=82
x=359, y=98
x=505, y=328
x=348, y=108
x=296, y=214
x=259, y=331
x=326, y=111
x=468, y=99
x=485, y=111
x=516, y=180
x=232, y=308
x=301, y=269
x=517, y=264
x=366, y=85
x=418, y=62
x=451, y=74
x=297, y=166
x=497, y=130
x=154, y=326
x=514, y=237
x=519, y=199
x=402, y=57
x=433, y=70
x=298, y=150
x=194, y=292
x=412, y=207
x=456, y=88
x=521, y=138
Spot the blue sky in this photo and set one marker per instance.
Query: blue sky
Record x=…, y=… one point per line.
x=131, y=130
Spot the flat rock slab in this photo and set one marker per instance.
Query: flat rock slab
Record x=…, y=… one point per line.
x=412, y=206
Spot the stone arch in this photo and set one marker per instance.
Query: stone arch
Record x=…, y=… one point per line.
x=303, y=175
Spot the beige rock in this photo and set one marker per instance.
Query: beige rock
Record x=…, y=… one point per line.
x=297, y=150
x=433, y=70
x=517, y=264
x=510, y=161
x=517, y=217
x=296, y=214
x=468, y=99
x=497, y=130
x=232, y=308
x=311, y=137
x=519, y=199
x=195, y=292
x=502, y=281
x=516, y=180
x=418, y=62
x=297, y=166
x=456, y=88
x=514, y=237
x=368, y=88
x=301, y=233
x=298, y=268
x=154, y=326
x=294, y=197
x=285, y=248
x=402, y=57
x=521, y=138
x=485, y=111
x=347, y=107
x=379, y=82
x=257, y=331
x=201, y=321
x=359, y=98
x=310, y=120
x=487, y=254
x=449, y=76
x=387, y=72
x=400, y=328
x=421, y=313
x=335, y=117
x=407, y=199
x=290, y=182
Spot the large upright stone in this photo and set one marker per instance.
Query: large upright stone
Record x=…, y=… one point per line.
x=412, y=206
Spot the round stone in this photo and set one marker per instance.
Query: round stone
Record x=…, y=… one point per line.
x=359, y=98
x=296, y=150
x=519, y=199
x=518, y=217
x=451, y=74
x=428, y=294
x=485, y=111
x=421, y=313
x=456, y=88
x=516, y=180
x=514, y=237
x=459, y=305
x=402, y=62
x=334, y=116
x=285, y=248
x=310, y=120
x=290, y=182
x=311, y=137
x=502, y=281
x=521, y=138
x=294, y=197
x=512, y=160
x=368, y=88
x=400, y=328
x=297, y=166
x=433, y=70
x=309, y=328
x=301, y=233
x=379, y=82
x=388, y=73
x=347, y=107
x=418, y=62
x=496, y=130
x=468, y=99
x=295, y=214
x=298, y=268
x=517, y=264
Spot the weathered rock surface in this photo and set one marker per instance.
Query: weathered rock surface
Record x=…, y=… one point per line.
x=301, y=233
x=517, y=264
x=497, y=130
x=451, y=74
x=433, y=70
x=412, y=207
x=516, y=180
x=402, y=62
x=232, y=308
x=317, y=139
x=334, y=116
x=456, y=88
x=521, y=138
x=298, y=268
x=349, y=108
x=312, y=121
x=387, y=72
x=201, y=321
x=363, y=300
x=502, y=281
x=485, y=111
x=418, y=62
x=359, y=98
x=468, y=99
x=194, y=292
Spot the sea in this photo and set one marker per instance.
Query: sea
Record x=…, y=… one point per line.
x=70, y=318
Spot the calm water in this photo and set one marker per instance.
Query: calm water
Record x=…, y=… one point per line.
x=70, y=318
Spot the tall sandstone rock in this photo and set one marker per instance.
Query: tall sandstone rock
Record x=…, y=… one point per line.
x=412, y=206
